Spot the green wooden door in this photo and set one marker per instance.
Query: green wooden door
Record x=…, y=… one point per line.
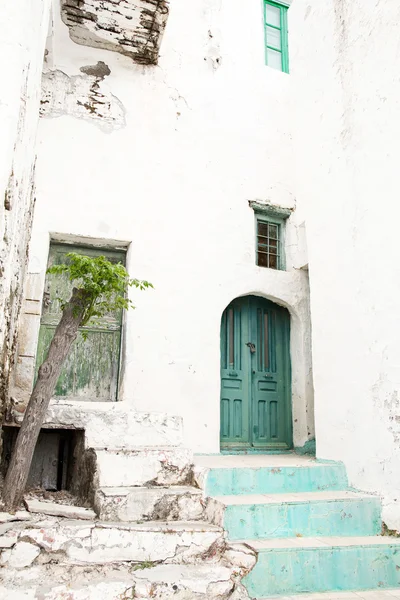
x=255, y=376
x=92, y=367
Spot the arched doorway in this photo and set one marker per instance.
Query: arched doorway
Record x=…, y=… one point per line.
x=255, y=376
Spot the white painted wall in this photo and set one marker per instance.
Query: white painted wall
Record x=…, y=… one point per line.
x=22, y=43
x=344, y=61
x=173, y=175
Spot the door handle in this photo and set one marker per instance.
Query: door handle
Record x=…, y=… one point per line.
x=232, y=374
x=252, y=347
x=268, y=376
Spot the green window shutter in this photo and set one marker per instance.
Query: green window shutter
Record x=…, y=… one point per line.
x=91, y=370
x=276, y=35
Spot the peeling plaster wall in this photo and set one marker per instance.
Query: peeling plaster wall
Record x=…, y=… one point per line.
x=344, y=61
x=203, y=133
x=82, y=97
x=131, y=27
x=22, y=42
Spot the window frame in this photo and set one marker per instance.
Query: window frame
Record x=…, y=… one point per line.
x=283, y=8
x=263, y=218
x=276, y=215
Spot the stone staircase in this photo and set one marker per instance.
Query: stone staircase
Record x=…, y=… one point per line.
x=310, y=532
x=151, y=538
x=226, y=528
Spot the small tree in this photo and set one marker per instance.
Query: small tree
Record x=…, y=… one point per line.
x=101, y=287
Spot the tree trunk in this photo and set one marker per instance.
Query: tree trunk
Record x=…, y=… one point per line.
x=49, y=372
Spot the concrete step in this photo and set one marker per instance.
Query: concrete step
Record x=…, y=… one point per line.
x=114, y=425
x=390, y=594
x=330, y=513
x=267, y=474
x=96, y=542
x=328, y=564
x=176, y=503
x=144, y=467
x=203, y=582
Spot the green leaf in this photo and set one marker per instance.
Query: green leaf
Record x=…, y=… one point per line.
x=105, y=284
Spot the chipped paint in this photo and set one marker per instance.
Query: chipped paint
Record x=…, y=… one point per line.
x=83, y=97
x=130, y=27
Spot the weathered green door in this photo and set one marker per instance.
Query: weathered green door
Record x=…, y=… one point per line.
x=92, y=367
x=255, y=376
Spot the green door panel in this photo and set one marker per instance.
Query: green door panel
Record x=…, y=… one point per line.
x=235, y=380
x=255, y=376
x=92, y=366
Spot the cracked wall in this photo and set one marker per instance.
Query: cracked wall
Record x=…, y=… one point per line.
x=22, y=47
x=130, y=27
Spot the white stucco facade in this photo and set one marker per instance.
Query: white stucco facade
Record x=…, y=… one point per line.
x=346, y=85
x=163, y=161
x=166, y=165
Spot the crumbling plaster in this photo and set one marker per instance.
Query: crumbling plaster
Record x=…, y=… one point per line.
x=21, y=58
x=83, y=97
x=132, y=27
x=346, y=88
x=198, y=144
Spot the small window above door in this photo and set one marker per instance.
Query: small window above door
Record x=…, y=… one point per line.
x=269, y=244
x=270, y=234
x=276, y=35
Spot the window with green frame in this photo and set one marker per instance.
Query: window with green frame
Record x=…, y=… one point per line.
x=276, y=35
x=269, y=243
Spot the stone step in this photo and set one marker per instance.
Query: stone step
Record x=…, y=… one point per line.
x=114, y=425
x=97, y=542
x=332, y=513
x=176, y=503
x=389, y=594
x=267, y=474
x=143, y=467
x=202, y=582
x=328, y=564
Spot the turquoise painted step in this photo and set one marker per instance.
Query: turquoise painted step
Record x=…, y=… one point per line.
x=302, y=565
x=290, y=515
x=269, y=480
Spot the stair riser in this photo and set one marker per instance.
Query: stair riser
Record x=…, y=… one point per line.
x=282, y=480
x=295, y=571
x=145, y=467
x=359, y=517
x=92, y=543
x=150, y=505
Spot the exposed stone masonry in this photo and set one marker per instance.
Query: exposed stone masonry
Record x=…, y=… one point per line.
x=130, y=27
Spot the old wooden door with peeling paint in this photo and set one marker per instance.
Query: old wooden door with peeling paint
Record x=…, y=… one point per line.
x=255, y=376
x=92, y=367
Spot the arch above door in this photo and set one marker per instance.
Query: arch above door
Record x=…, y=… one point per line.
x=256, y=407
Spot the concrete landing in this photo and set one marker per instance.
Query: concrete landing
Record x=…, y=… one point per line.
x=253, y=461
